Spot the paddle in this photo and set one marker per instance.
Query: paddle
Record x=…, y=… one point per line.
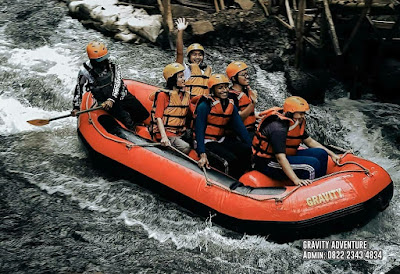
x=42, y=122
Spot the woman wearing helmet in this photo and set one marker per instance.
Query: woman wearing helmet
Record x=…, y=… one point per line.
x=170, y=108
x=213, y=115
x=245, y=99
x=101, y=75
x=277, y=139
x=196, y=72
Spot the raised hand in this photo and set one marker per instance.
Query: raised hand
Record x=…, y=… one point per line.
x=181, y=24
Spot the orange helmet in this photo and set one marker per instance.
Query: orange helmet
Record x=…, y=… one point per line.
x=195, y=46
x=216, y=79
x=97, y=51
x=234, y=68
x=295, y=104
x=172, y=69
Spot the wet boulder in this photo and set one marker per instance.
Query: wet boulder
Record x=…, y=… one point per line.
x=145, y=25
x=202, y=27
x=311, y=85
x=123, y=21
x=245, y=4
x=388, y=82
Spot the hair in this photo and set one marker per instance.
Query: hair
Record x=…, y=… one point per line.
x=235, y=80
x=289, y=115
x=212, y=90
x=172, y=81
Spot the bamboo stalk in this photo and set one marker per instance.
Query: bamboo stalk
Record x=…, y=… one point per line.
x=221, y=2
x=361, y=4
x=168, y=24
x=357, y=26
x=161, y=7
x=283, y=22
x=299, y=33
x=264, y=7
x=289, y=13
x=331, y=28
x=216, y=6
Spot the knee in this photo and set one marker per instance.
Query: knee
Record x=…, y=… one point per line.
x=321, y=154
x=314, y=162
x=186, y=149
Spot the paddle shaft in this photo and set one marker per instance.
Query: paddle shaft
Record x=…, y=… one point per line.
x=78, y=113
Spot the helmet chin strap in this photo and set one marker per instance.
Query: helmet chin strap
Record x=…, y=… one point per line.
x=293, y=126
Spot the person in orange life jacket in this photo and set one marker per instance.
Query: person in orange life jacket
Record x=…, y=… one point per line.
x=101, y=75
x=170, y=109
x=276, y=142
x=214, y=113
x=243, y=96
x=196, y=72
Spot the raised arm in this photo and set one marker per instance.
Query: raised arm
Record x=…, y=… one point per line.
x=181, y=25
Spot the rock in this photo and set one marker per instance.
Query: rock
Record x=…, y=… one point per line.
x=270, y=62
x=202, y=27
x=309, y=85
x=184, y=11
x=245, y=4
x=146, y=26
x=107, y=16
x=126, y=36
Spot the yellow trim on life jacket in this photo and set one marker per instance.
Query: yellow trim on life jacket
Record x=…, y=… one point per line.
x=196, y=84
x=175, y=113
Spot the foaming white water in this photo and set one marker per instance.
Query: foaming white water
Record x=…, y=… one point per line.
x=273, y=85
x=367, y=142
x=13, y=117
x=57, y=60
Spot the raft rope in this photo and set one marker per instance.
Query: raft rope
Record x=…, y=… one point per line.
x=363, y=169
x=209, y=183
x=129, y=145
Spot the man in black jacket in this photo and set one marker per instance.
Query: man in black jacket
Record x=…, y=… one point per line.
x=101, y=75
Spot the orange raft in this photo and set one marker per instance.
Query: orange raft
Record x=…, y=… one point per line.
x=349, y=196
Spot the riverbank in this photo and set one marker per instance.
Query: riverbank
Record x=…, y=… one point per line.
x=262, y=39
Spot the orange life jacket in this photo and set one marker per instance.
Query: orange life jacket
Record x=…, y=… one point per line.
x=196, y=84
x=261, y=146
x=244, y=101
x=217, y=119
x=175, y=113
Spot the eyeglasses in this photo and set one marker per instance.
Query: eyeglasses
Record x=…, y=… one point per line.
x=246, y=75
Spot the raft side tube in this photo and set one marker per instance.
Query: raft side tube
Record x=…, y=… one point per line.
x=113, y=127
x=281, y=232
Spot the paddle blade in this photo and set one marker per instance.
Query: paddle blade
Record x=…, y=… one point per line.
x=38, y=122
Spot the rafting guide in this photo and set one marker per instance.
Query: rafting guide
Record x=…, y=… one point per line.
x=339, y=250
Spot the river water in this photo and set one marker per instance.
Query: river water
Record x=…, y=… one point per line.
x=60, y=214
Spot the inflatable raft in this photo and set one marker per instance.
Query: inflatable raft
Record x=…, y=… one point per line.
x=349, y=196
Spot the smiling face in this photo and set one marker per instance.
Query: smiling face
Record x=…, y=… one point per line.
x=221, y=91
x=243, y=78
x=196, y=56
x=180, y=80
